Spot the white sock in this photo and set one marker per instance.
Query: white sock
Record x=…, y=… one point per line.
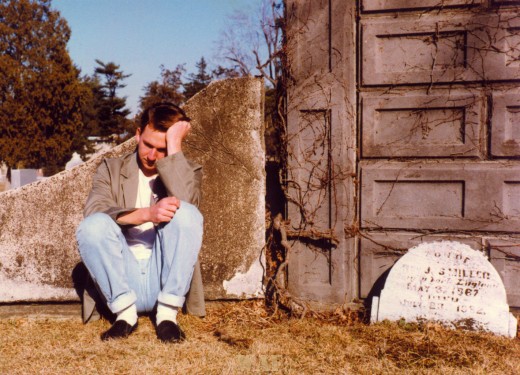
x=166, y=312
x=129, y=315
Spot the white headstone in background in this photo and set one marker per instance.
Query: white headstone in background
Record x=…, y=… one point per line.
x=74, y=161
x=446, y=282
x=20, y=177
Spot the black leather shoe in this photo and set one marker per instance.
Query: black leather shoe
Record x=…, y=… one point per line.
x=119, y=330
x=168, y=331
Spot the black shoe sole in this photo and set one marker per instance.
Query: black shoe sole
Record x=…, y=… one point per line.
x=119, y=330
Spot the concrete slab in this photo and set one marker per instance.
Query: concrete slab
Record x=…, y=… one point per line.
x=38, y=250
x=55, y=311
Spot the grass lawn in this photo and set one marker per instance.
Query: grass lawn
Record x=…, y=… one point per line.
x=240, y=338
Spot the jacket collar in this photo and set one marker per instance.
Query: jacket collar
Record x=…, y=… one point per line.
x=130, y=179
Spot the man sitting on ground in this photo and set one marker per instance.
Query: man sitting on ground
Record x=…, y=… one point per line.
x=142, y=231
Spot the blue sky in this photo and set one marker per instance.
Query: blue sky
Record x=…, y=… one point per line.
x=140, y=35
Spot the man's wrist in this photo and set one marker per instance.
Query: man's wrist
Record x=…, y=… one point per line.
x=136, y=217
x=174, y=147
x=147, y=214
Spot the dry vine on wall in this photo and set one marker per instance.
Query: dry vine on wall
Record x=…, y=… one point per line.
x=459, y=90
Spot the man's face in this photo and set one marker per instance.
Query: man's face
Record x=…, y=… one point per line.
x=151, y=147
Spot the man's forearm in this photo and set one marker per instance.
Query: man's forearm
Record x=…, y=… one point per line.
x=181, y=177
x=174, y=147
x=161, y=212
x=135, y=217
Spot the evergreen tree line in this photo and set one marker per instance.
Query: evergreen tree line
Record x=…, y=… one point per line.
x=49, y=110
x=105, y=114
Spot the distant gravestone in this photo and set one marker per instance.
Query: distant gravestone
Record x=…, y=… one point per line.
x=447, y=282
x=20, y=177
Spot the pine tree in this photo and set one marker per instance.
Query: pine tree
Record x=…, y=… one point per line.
x=40, y=91
x=197, y=81
x=111, y=111
x=168, y=89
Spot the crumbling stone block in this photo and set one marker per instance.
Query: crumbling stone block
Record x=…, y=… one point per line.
x=38, y=250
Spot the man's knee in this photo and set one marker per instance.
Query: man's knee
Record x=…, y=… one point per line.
x=95, y=225
x=188, y=216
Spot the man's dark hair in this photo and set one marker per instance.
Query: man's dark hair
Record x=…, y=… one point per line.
x=161, y=116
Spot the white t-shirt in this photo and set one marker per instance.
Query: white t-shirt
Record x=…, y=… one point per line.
x=140, y=238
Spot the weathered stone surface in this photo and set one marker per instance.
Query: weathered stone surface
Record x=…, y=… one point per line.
x=374, y=5
x=321, y=148
x=476, y=196
x=504, y=255
x=447, y=282
x=379, y=251
x=228, y=141
x=413, y=124
x=38, y=250
x=505, y=136
x=422, y=102
x=460, y=48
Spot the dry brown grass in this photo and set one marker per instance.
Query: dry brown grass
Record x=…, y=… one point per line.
x=240, y=338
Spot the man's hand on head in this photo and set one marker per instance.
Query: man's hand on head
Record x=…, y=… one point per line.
x=175, y=135
x=164, y=210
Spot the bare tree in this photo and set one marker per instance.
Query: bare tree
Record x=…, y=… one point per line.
x=252, y=42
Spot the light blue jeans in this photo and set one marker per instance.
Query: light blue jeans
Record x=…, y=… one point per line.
x=124, y=280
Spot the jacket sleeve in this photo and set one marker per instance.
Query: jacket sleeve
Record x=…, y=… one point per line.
x=101, y=197
x=181, y=177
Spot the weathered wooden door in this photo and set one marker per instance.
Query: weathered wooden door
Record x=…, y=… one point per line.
x=404, y=127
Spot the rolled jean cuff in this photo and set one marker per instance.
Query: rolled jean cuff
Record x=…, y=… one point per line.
x=171, y=299
x=122, y=302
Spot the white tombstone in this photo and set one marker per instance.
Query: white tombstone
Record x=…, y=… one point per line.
x=20, y=177
x=447, y=282
x=74, y=161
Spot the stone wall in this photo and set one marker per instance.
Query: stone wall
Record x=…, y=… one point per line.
x=402, y=128
x=38, y=251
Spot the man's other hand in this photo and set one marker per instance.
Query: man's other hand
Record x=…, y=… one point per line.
x=175, y=135
x=164, y=210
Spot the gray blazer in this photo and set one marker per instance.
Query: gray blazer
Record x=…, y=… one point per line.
x=114, y=191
